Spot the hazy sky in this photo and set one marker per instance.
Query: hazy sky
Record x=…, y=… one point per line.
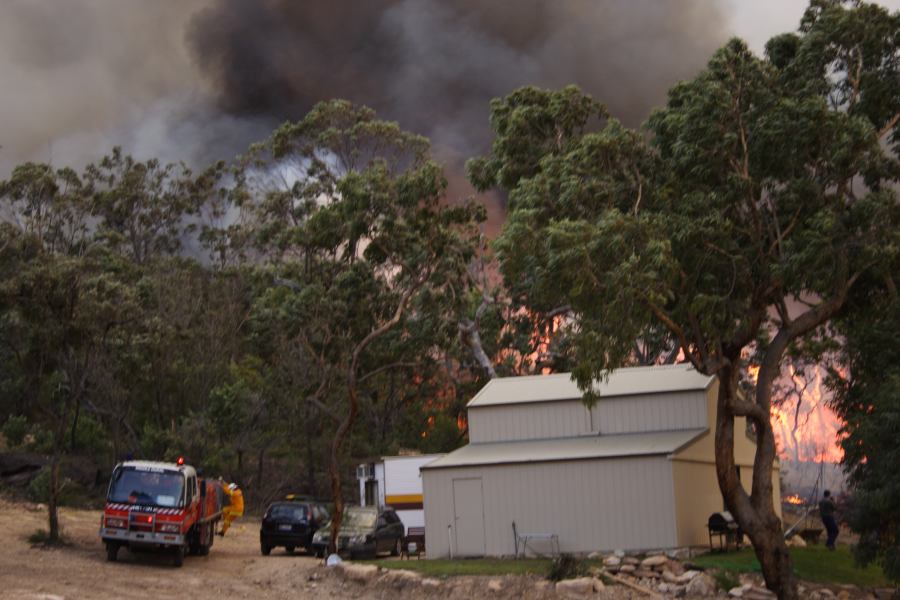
x=80, y=76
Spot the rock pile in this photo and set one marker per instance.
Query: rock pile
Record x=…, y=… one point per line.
x=660, y=573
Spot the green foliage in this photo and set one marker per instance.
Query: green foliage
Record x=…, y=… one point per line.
x=737, y=228
x=14, y=430
x=442, y=435
x=39, y=488
x=566, y=566
x=867, y=398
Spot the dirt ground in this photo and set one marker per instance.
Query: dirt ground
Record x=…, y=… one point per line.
x=233, y=569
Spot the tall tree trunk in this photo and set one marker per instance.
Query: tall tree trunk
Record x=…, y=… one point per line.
x=310, y=458
x=75, y=426
x=53, y=500
x=259, y=468
x=334, y=466
x=755, y=513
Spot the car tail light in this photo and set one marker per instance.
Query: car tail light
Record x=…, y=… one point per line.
x=115, y=522
x=168, y=527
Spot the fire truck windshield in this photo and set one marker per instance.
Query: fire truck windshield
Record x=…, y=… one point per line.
x=156, y=487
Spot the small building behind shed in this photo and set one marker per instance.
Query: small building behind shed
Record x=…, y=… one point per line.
x=634, y=472
x=395, y=481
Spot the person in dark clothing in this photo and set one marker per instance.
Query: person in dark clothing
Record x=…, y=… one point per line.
x=826, y=511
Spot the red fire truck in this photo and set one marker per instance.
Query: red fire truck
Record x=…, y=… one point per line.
x=165, y=506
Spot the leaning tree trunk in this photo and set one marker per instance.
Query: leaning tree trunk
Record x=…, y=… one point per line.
x=334, y=467
x=755, y=513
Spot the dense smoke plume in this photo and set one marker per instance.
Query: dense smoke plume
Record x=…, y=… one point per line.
x=197, y=80
x=434, y=65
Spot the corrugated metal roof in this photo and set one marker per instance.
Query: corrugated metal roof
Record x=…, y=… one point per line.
x=573, y=448
x=621, y=382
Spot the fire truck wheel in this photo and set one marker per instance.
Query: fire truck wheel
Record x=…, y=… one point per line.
x=265, y=549
x=112, y=551
x=178, y=558
x=289, y=549
x=206, y=539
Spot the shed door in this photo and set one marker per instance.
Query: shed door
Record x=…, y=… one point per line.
x=468, y=513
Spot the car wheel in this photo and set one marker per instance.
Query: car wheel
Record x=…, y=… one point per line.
x=265, y=549
x=289, y=549
x=398, y=547
x=112, y=551
x=178, y=558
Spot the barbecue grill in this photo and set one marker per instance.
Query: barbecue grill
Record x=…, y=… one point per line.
x=722, y=525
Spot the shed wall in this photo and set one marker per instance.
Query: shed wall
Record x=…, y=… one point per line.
x=528, y=421
x=697, y=496
x=671, y=411
x=592, y=505
x=564, y=418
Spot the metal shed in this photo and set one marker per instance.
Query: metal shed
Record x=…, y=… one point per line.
x=634, y=472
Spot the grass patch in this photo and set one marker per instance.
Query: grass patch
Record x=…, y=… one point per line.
x=815, y=563
x=473, y=566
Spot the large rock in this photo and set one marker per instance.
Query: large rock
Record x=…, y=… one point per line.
x=676, y=567
x=630, y=560
x=686, y=576
x=359, y=573
x=627, y=568
x=679, y=553
x=402, y=577
x=654, y=561
x=758, y=593
x=701, y=585
x=579, y=587
x=612, y=561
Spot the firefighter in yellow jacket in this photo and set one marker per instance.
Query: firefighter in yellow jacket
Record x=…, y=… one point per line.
x=234, y=507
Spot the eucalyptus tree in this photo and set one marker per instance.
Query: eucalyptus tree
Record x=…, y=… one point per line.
x=740, y=230
x=368, y=258
x=146, y=209
x=61, y=297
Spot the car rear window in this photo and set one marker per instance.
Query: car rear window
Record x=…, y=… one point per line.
x=295, y=512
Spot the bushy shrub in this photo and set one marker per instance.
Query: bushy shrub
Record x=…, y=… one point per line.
x=71, y=493
x=14, y=430
x=566, y=566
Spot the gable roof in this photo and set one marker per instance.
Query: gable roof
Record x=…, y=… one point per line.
x=621, y=382
x=573, y=448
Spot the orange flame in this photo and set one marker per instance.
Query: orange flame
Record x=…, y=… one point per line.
x=810, y=431
x=794, y=499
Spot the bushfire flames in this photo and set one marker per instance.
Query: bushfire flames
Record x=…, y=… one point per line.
x=806, y=429
x=794, y=499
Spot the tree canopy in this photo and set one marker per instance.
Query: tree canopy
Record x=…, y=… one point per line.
x=741, y=226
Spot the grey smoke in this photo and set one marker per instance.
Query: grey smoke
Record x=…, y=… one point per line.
x=435, y=64
x=198, y=80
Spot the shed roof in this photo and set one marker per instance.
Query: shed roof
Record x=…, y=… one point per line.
x=621, y=382
x=571, y=448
